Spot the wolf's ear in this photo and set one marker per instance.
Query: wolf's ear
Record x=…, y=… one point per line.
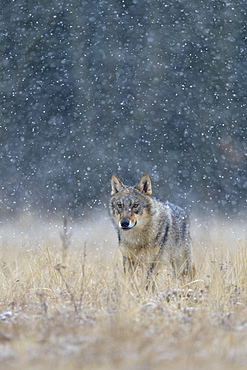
x=144, y=185
x=116, y=185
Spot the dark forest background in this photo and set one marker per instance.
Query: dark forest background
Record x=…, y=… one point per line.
x=91, y=88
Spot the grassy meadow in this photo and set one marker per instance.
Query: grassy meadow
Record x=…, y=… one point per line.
x=65, y=303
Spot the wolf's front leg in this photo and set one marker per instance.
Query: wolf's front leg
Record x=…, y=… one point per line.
x=130, y=272
x=149, y=273
x=129, y=266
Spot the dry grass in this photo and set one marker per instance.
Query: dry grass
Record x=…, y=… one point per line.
x=69, y=306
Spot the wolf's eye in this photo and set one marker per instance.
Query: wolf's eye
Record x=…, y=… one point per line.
x=135, y=205
x=119, y=205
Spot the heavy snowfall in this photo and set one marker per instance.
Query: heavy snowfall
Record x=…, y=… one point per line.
x=91, y=88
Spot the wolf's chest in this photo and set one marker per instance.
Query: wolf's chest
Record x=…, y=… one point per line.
x=139, y=253
x=139, y=246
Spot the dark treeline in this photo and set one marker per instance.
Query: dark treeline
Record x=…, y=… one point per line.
x=91, y=88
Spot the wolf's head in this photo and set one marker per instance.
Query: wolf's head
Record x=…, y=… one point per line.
x=130, y=205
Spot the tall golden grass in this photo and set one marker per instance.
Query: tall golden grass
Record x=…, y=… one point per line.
x=65, y=302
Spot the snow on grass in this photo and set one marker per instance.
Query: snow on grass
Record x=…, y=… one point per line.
x=71, y=307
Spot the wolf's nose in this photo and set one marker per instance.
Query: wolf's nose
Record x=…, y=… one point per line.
x=124, y=224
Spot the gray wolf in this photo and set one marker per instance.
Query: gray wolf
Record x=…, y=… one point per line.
x=150, y=232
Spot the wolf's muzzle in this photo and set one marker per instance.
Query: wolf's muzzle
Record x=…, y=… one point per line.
x=126, y=224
